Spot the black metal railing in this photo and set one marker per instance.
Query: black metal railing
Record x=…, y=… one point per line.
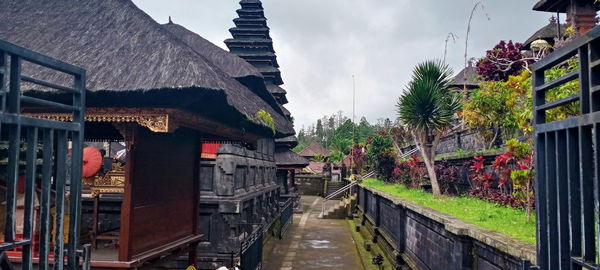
x=42, y=173
x=251, y=250
x=286, y=217
x=567, y=157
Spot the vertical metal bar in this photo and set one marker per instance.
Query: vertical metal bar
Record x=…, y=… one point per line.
x=596, y=186
x=47, y=165
x=14, y=85
x=76, y=168
x=584, y=79
x=377, y=213
x=542, y=225
x=539, y=117
x=61, y=157
x=87, y=257
x=3, y=79
x=550, y=202
x=562, y=193
x=574, y=193
x=28, y=222
x=14, y=141
x=587, y=193
x=12, y=178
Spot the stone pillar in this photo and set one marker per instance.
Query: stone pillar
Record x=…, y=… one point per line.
x=582, y=16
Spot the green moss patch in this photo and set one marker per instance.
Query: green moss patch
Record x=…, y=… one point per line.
x=484, y=214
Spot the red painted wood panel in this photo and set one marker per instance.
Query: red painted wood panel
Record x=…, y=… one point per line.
x=163, y=189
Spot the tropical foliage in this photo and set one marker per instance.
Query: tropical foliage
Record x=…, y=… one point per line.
x=504, y=60
x=487, y=112
x=427, y=108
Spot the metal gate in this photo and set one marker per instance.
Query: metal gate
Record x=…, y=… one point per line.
x=251, y=258
x=567, y=160
x=38, y=177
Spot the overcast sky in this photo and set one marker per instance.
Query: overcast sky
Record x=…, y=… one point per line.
x=320, y=44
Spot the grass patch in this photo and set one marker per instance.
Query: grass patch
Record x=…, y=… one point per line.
x=484, y=214
x=366, y=256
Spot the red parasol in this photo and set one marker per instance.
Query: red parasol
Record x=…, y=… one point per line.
x=92, y=161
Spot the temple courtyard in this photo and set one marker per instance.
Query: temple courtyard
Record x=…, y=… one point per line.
x=313, y=243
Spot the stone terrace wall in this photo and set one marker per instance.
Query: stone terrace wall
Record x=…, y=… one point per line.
x=464, y=139
x=310, y=184
x=417, y=237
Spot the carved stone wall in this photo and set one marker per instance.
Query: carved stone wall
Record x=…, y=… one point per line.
x=416, y=237
x=239, y=190
x=463, y=139
x=310, y=184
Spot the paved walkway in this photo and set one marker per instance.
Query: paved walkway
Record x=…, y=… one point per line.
x=313, y=243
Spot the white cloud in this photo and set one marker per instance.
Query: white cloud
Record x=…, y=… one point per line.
x=321, y=43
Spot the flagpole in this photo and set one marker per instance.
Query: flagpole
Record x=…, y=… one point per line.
x=353, y=124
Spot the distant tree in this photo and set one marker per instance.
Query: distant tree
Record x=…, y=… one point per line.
x=336, y=157
x=427, y=109
x=379, y=144
x=340, y=119
x=319, y=132
x=364, y=130
x=342, y=145
x=343, y=132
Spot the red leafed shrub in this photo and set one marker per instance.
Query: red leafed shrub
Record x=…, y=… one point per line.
x=495, y=196
x=503, y=165
x=359, y=155
x=482, y=179
x=409, y=173
x=417, y=170
x=504, y=60
x=448, y=176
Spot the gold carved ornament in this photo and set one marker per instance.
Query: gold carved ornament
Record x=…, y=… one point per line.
x=111, y=182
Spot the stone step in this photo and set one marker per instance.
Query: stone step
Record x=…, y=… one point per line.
x=340, y=210
x=333, y=187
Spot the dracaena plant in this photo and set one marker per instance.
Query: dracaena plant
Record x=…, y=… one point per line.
x=427, y=108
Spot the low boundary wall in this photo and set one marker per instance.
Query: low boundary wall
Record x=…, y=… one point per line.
x=417, y=237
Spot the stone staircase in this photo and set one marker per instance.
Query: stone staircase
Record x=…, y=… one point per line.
x=340, y=210
x=334, y=186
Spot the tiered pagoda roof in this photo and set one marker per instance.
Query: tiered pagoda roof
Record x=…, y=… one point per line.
x=137, y=63
x=252, y=42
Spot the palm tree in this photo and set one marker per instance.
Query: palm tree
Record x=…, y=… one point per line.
x=427, y=108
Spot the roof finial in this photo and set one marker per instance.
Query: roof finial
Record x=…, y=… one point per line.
x=170, y=21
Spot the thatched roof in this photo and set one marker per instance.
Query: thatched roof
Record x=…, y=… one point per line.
x=284, y=157
x=252, y=42
x=548, y=33
x=313, y=149
x=289, y=141
x=471, y=78
x=130, y=59
x=228, y=62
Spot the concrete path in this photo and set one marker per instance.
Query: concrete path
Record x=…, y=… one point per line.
x=313, y=243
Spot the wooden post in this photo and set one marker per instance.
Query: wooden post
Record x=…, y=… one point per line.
x=130, y=133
